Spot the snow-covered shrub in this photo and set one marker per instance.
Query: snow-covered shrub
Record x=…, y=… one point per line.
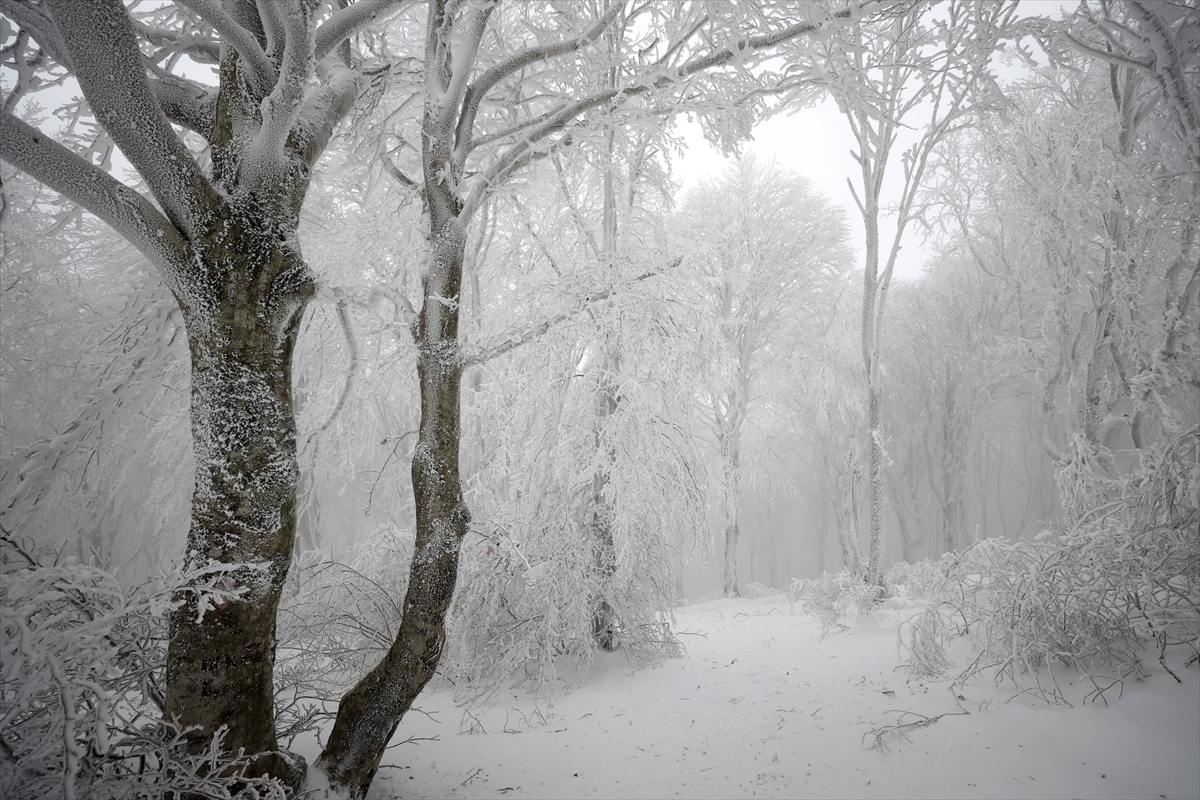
x=337, y=618
x=833, y=596
x=80, y=691
x=757, y=591
x=574, y=511
x=1089, y=596
x=915, y=581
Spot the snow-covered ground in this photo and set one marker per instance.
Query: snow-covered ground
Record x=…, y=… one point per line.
x=763, y=706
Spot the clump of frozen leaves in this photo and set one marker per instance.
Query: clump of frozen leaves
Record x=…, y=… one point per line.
x=80, y=689
x=1088, y=596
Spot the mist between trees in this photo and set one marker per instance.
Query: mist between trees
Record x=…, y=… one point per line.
x=387, y=351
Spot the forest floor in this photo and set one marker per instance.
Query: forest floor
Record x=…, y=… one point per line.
x=764, y=706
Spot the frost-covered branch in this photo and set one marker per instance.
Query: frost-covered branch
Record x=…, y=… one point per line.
x=482, y=85
x=348, y=20
x=28, y=476
x=521, y=151
x=321, y=112
x=262, y=73
x=130, y=214
x=514, y=340
x=116, y=86
x=42, y=28
x=185, y=103
x=263, y=164
x=271, y=16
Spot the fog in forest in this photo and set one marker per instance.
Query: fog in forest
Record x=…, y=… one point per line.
x=484, y=337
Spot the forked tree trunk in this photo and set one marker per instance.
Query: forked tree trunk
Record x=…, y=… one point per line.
x=242, y=328
x=369, y=714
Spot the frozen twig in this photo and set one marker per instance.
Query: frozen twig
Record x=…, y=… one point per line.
x=901, y=728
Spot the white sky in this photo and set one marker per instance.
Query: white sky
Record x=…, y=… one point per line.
x=815, y=143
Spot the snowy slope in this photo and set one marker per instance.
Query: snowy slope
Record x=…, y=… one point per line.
x=762, y=706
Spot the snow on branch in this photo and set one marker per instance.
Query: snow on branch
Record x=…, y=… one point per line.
x=41, y=27
x=350, y=19
x=514, y=340
x=29, y=475
x=100, y=39
x=129, y=213
x=521, y=151
x=185, y=103
x=262, y=74
x=477, y=90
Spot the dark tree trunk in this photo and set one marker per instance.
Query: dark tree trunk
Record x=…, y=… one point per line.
x=241, y=333
x=370, y=712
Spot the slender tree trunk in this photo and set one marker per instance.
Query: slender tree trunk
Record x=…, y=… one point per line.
x=852, y=554
x=604, y=621
x=873, y=289
x=370, y=712
x=732, y=531
x=221, y=650
x=875, y=478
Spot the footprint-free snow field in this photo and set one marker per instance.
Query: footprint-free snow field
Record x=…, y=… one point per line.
x=763, y=706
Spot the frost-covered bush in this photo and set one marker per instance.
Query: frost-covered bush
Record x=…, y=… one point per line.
x=915, y=581
x=337, y=618
x=1089, y=596
x=836, y=596
x=80, y=690
x=535, y=570
x=833, y=596
x=757, y=591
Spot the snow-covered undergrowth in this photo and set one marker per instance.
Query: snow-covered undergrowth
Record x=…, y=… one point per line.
x=81, y=691
x=768, y=700
x=1090, y=596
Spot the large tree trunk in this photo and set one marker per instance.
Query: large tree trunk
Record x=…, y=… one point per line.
x=241, y=334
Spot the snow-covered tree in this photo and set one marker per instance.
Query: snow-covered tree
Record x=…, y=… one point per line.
x=926, y=70
x=766, y=274
x=227, y=168
x=223, y=111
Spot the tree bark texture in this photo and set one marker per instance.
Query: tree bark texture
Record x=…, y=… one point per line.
x=732, y=467
x=874, y=392
x=242, y=328
x=370, y=712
